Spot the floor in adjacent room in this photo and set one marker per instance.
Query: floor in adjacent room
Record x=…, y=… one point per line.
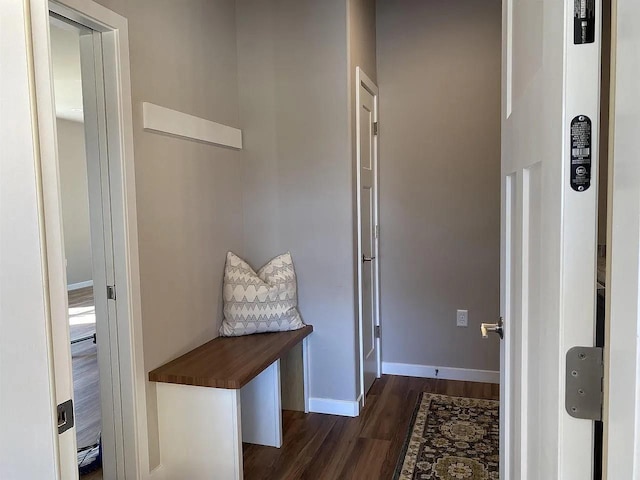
x=86, y=379
x=367, y=447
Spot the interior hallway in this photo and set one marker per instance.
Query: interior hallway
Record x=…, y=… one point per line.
x=329, y=447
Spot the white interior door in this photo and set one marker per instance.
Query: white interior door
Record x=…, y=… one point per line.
x=97, y=152
x=366, y=152
x=548, y=232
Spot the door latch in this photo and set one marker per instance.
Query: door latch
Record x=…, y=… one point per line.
x=111, y=292
x=65, y=416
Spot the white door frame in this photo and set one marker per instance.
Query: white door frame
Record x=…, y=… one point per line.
x=125, y=346
x=622, y=344
x=24, y=306
x=363, y=80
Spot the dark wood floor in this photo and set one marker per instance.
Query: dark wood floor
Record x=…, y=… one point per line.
x=327, y=447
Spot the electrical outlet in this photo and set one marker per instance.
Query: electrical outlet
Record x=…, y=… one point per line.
x=462, y=318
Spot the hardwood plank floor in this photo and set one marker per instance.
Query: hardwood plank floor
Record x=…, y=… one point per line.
x=329, y=447
x=97, y=475
x=86, y=379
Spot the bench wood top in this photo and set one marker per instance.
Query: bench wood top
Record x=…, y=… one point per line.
x=229, y=362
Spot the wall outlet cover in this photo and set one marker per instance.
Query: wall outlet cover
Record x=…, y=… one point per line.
x=462, y=318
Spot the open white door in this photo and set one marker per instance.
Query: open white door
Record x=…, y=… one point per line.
x=550, y=102
x=367, y=185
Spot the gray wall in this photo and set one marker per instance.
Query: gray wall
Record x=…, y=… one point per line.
x=361, y=27
x=362, y=39
x=183, y=56
x=439, y=80
x=293, y=86
x=75, y=200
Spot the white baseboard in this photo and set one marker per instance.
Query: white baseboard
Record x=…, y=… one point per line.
x=330, y=406
x=447, y=373
x=79, y=285
x=157, y=473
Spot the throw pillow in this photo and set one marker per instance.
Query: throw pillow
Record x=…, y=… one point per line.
x=265, y=301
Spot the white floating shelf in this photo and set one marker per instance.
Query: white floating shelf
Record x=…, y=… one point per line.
x=164, y=120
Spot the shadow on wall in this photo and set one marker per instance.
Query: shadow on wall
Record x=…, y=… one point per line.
x=75, y=201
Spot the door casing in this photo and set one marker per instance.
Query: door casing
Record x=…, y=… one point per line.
x=125, y=344
x=622, y=352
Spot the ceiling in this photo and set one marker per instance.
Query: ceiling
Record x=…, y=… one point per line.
x=65, y=54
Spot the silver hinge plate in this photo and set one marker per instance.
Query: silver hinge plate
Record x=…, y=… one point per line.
x=375, y=128
x=111, y=292
x=65, y=416
x=584, y=391
x=377, y=330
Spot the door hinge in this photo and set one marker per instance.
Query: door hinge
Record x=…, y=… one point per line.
x=377, y=230
x=377, y=331
x=584, y=383
x=65, y=416
x=375, y=128
x=111, y=292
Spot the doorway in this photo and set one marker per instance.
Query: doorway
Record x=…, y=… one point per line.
x=99, y=37
x=86, y=210
x=367, y=204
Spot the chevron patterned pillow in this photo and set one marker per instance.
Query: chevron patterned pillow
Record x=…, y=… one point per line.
x=259, y=302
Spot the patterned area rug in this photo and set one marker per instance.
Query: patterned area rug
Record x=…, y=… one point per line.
x=451, y=438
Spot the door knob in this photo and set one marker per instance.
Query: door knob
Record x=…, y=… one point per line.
x=367, y=259
x=487, y=328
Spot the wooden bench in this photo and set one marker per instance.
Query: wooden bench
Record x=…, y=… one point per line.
x=221, y=394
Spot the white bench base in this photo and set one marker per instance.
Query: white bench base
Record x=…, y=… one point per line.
x=202, y=429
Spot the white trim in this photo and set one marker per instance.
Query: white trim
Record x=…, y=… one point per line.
x=158, y=473
x=330, y=406
x=446, y=373
x=622, y=352
x=79, y=285
x=27, y=386
x=164, y=120
x=363, y=80
x=126, y=345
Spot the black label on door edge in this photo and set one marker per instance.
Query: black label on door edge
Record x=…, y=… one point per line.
x=581, y=153
x=584, y=21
